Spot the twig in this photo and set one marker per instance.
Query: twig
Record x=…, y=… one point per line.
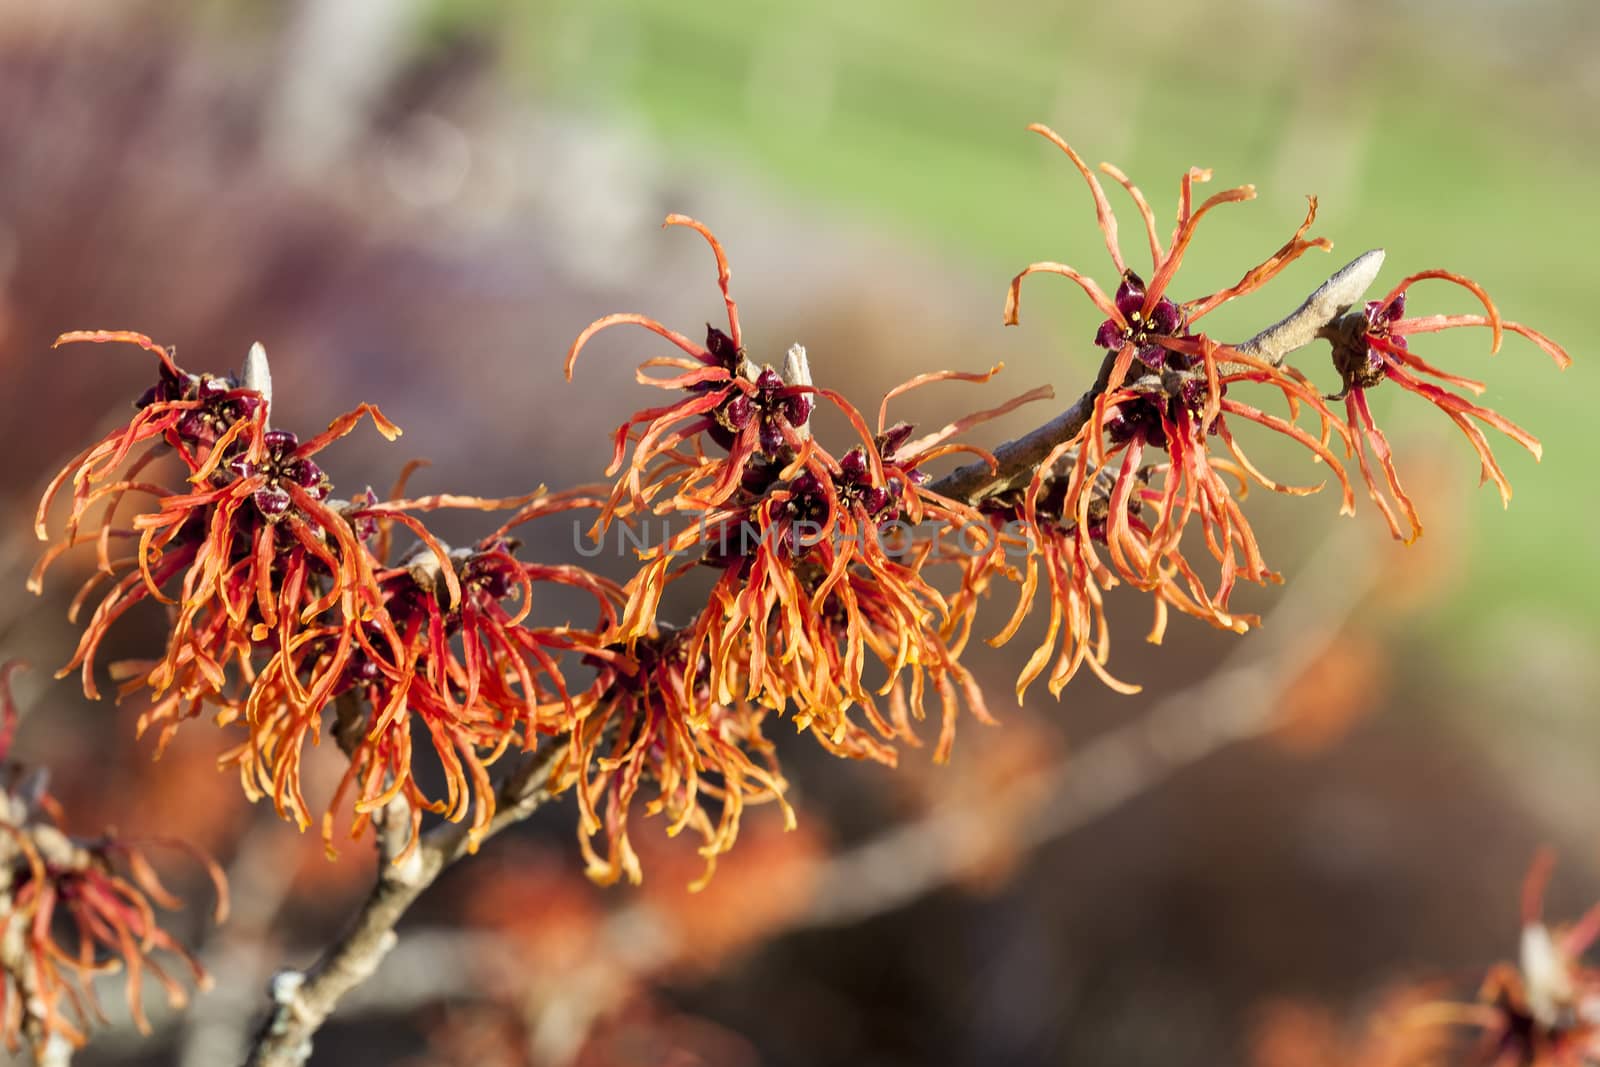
x=1017, y=459
x=304, y=999
x=1327, y=303
x=49, y=1047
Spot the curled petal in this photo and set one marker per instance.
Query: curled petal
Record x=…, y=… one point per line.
x=1102, y=206
x=1493, y=313
x=1144, y=211
x=722, y=271
x=630, y=318
x=1094, y=292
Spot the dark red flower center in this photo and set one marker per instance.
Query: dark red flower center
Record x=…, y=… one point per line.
x=1142, y=331
x=773, y=406
x=281, y=468
x=222, y=403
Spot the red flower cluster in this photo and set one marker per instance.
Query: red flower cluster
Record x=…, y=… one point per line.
x=821, y=558
x=1166, y=390
x=73, y=909
x=658, y=724
x=282, y=602
x=1373, y=349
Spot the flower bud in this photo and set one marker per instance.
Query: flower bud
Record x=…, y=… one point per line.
x=797, y=408
x=272, y=501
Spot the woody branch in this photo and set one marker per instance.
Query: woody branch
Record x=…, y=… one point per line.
x=303, y=1000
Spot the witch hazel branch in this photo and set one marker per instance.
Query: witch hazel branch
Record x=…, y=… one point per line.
x=842, y=610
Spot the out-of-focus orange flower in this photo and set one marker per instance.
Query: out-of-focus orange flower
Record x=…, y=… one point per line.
x=1293, y=1033
x=538, y=902
x=759, y=890
x=1544, y=1011
x=643, y=1033
x=1376, y=350
x=655, y=724
x=73, y=909
x=1335, y=692
x=474, y=1035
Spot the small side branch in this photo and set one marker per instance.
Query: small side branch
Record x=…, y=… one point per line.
x=303, y=1000
x=1017, y=460
x=1307, y=322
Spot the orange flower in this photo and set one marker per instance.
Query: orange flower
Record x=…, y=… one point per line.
x=450, y=651
x=656, y=723
x=1175, y=404
x=822, y=554
x=253, y=548
x=281, y=602
x=1112, y=501
x=1372, y=348
x=1059, y=538
x=745, y=410
x=824, y=566
x=1142, y=321
x=84, y=908
x=1193, y=483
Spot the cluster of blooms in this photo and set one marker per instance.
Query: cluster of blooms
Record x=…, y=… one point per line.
x=72, y=909
x=283, y=604
x=1373, y=349
x=821, y=560
x=1166, y=391
x=1542, y=1011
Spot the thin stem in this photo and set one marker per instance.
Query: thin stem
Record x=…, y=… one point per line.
x=303, y=1000
x=1321, y=309
x=1018, y=459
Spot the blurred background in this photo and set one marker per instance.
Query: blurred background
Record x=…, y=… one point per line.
x=420, y=202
